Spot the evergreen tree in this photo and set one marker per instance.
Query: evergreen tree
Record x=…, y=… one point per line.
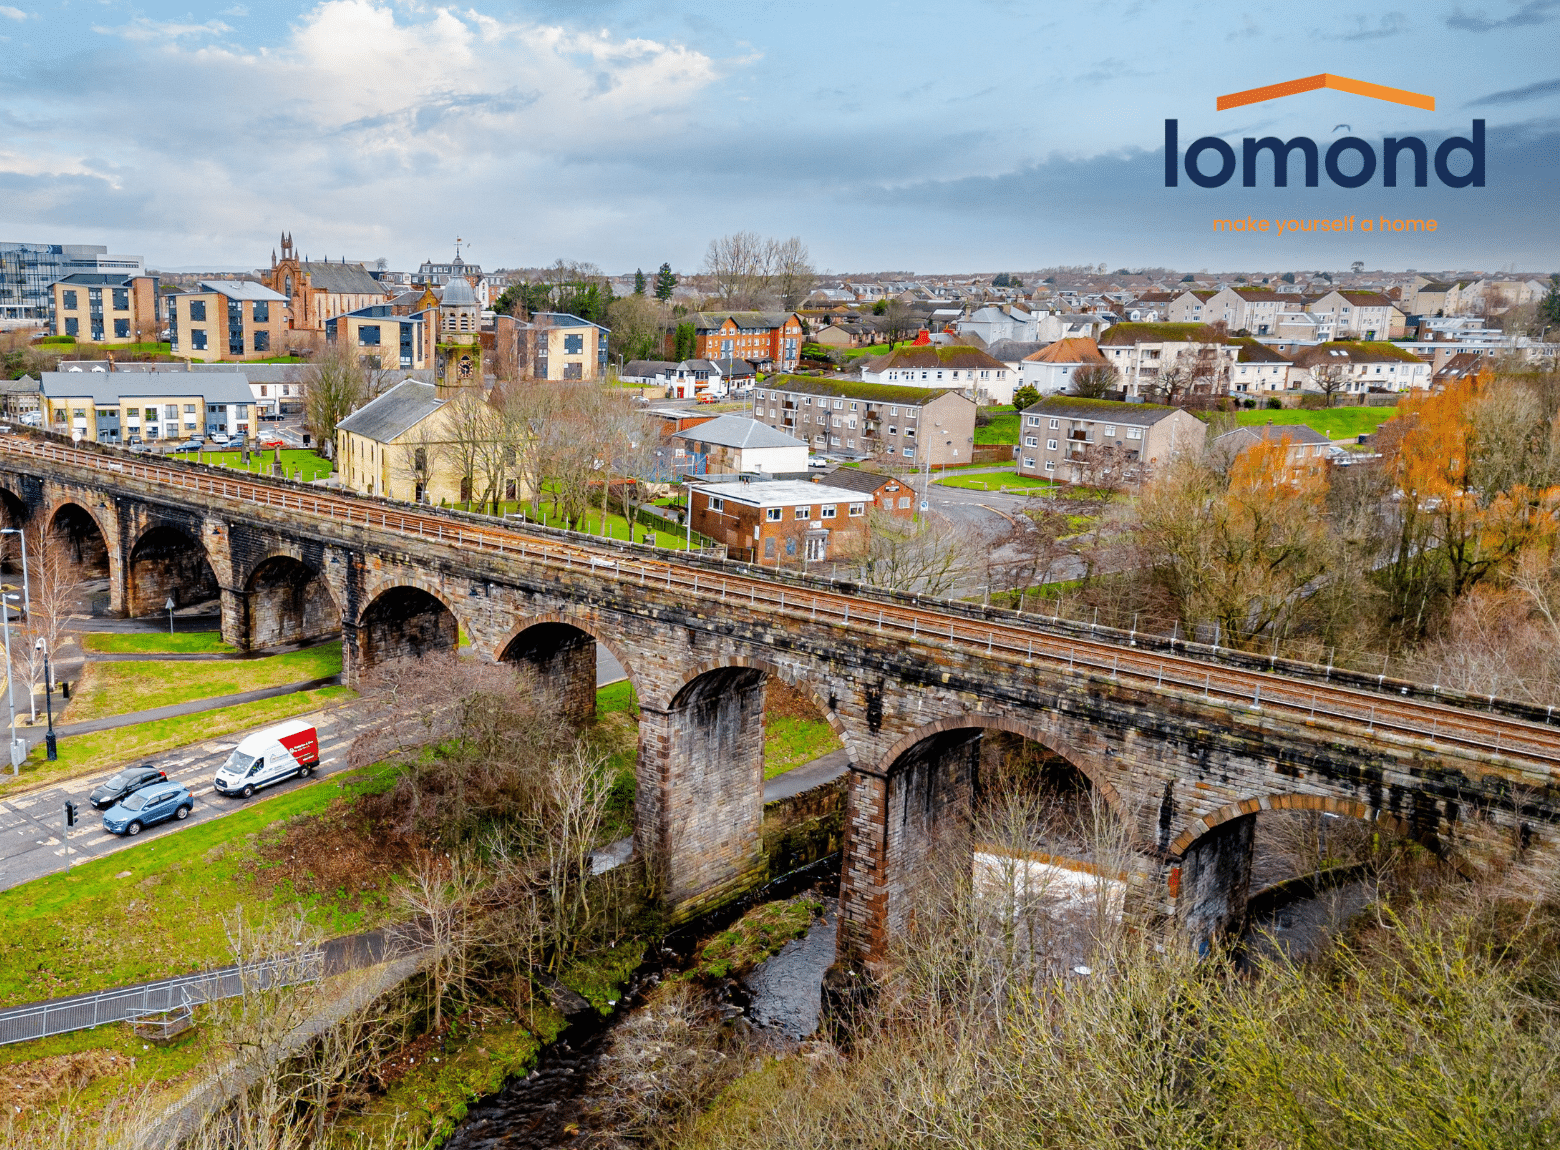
x=639, y=281
x=685, y=341
x=1549, y=310
x=665, y=281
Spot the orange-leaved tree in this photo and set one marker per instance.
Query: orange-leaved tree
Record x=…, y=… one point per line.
x=1236, y=549
x=1452, y=528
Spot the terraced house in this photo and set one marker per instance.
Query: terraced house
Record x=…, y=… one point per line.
x=382, y=337
x=1358, y=367
x=1366, y=315
x=857, y=419
x=771, y=341
x=106, y=307
x=982, y=376
x=225, y=320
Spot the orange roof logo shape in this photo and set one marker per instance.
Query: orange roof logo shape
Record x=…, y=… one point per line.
x=1326, y=80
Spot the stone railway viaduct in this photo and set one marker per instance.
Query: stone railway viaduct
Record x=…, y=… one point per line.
x=1186, y=743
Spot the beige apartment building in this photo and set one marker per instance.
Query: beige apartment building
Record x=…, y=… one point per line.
x=1103, y=443
x=127, y=407
x=106, y=308
x=227, y=320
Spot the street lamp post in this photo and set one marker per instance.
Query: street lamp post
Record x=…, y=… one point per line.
x=50, y=746
x=168, y=607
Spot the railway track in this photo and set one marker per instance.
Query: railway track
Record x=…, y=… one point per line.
x=1115, y=658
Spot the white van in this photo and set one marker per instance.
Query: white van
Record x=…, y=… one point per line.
x=269, y=756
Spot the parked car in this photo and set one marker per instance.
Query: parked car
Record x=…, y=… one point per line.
x=126, y=782
x=268, y=444
x=192, y=445
x=137, y=447
x=269, y=756
x=147, y=806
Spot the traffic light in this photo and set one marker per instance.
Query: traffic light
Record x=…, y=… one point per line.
x=70, y=814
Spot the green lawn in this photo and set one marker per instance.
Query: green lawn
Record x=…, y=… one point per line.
x=617, y=526
x=299, y=463
x=1335, y=422
x=152, y=643
x=790, y=742
x=102, y=750
x=123, y=688
x=875, y=349
x=86, y=929
x=1006, y=480
x=1003, y=428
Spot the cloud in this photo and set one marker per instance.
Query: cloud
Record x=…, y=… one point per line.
x=366, y=124
x=14, y=13
x=144, y=30
x=1387, y=25
x=1531, y=13
x=1516, y=95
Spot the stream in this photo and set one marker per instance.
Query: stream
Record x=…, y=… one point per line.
x=541, y=1110
x=547, y=1107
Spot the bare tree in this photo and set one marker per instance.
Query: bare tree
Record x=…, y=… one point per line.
x=469, y=429
x=416, y=459
x=1037, y=540
x=1330, y=379
x=334, y=387
x=1094, y=380
x=55, y=583
x=791, y=271
x=738, y=265
x=438, y=894
x=928, y=556
x=897, y=321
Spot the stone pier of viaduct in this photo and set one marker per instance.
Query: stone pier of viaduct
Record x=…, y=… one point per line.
x=1187, y=772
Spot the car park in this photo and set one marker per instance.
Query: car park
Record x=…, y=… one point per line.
x=148, y=806
x=126, y=782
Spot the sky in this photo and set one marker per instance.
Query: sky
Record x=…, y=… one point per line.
x=985, y=136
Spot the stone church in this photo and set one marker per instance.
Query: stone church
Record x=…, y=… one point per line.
x=320, y=290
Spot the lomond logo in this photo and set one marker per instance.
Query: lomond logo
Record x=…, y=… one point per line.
x=1393, y=148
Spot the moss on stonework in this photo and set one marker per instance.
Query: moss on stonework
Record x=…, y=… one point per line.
x=599, y=978
x=757, y=935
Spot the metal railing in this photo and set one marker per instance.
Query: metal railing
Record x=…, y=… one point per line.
x=124, y=1004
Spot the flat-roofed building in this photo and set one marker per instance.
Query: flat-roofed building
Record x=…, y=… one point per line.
x=780, y=522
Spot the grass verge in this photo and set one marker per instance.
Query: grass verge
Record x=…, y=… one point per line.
x=93, y=1067
x=87, y=928
x=790, y=741
x=1001, y=428
x=1336, y=422
x=155, y=643
x=100, y=750
x=124, y=688
x=1001, y=481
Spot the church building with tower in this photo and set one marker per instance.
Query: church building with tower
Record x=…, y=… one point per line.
x=319, y=290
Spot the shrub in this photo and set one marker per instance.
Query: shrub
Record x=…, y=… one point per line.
x=64, y=339
x=1274, y=403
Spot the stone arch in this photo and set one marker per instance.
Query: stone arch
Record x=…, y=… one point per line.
x=1086, y=764
x=404, y=619
x=81, y=533
x=1327, y=804
x=692, y=676
x=287, y=601
x=168, y=562
x=1208, y=877
x=904, y=806
x=555, y=655
x=699, y=803
x=13, y=513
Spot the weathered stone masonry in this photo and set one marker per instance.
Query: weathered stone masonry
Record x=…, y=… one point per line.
x=1187, y=772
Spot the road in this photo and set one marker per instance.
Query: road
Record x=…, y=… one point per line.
x=33, y=842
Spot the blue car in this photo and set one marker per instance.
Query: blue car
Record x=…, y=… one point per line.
x=149, y=805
